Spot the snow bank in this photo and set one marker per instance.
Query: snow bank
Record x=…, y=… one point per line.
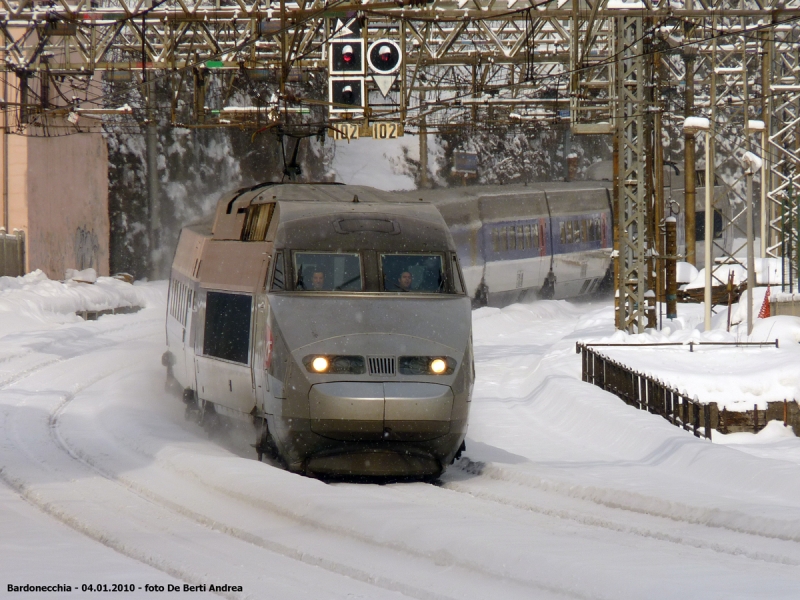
x=768, y=272
x=686, y=272
x=772, y=432
x=29, y=301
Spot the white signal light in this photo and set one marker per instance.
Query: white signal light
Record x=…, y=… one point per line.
x=347, y=94
x=320, y=364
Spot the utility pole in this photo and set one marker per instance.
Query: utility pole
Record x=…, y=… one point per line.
x=5, y=148
x=752, y=163
x=423, y=149
x=151, y=151
x=689, y=165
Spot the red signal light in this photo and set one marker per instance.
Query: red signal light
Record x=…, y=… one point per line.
x=347, y=53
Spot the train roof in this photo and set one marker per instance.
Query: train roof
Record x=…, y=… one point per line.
x=315, y=215
x=487, y=203
x=307, y=192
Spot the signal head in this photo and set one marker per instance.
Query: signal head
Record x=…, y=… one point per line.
x=384, y=57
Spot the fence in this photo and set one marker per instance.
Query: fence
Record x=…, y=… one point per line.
x=644, y=392
x=12, y=253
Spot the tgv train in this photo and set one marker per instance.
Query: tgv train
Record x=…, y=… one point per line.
x=332, y=317
x=550, y=240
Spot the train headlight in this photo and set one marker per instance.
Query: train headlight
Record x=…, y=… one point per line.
x=426, y=365
x=320, y=364
x=438, y=366
x=337, y=365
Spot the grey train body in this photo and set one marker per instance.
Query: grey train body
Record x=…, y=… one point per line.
x=549, y=240
x=291, y=277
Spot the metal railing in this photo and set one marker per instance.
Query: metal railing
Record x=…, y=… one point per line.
x=12, y=253
x=644, y=392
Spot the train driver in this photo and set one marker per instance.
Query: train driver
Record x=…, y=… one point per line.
x=404, y=281
x=318, y=281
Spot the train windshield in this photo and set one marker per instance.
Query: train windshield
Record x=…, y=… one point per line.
x=327, y=272
x=418, y=273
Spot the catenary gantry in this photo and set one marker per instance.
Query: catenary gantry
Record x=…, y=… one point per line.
x=631, y=70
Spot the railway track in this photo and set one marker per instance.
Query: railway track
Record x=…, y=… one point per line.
x=107, y=450
x=147, y=499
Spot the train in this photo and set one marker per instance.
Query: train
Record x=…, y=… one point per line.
x=553, y=240
x=335, y=320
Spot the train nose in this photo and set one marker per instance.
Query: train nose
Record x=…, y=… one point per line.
x=372, y=411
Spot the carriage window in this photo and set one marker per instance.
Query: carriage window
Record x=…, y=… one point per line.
x=278, y=275
x=520, y=238
x=563, y=233
x=418, y=273
x=227, y=332
x=327, y=272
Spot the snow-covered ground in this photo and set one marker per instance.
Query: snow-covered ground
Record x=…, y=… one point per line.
x=564, y=491
x=735, y=377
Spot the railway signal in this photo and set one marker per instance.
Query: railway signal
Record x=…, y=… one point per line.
x=347, y=57
x=346, y=95
x=383, y=57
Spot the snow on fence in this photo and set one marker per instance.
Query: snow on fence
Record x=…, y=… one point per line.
x=648, y=393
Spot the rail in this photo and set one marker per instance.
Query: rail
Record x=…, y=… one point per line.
x=644, y=392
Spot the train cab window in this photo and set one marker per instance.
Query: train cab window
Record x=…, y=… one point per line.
x=278, y=274
x=227, y=331
x=417, y=273
x=327, y=272
x=256, y=222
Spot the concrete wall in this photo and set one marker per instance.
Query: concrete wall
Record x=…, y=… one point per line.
x=68, y=225
x=58, y=194
x=789, y=307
